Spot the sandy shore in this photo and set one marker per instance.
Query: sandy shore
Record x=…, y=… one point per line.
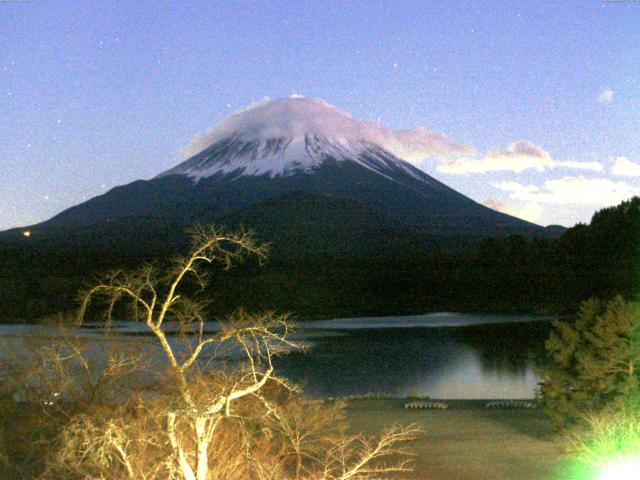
x=468, y=441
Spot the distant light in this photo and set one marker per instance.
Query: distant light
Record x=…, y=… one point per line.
x=27, y=233
x=621, y=469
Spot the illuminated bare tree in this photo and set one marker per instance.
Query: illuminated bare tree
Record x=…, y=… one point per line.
x=208, y=415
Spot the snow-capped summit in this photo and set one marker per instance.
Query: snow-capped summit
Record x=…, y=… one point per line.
x=291, y=117
x=299, y=134
x=282, y=156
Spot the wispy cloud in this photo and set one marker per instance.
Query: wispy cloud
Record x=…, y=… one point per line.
x=623, y=167
x=417, y=144
x=531, y=212
x=570, y=191
x=517, y=157
x=606, y=96
x=574, y=165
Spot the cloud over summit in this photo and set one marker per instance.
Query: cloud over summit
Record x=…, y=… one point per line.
x=297, y=116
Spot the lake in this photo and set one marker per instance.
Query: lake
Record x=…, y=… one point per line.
x=445, y=356
x=441, y=355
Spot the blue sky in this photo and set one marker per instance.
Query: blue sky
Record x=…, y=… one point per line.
x=97, y=94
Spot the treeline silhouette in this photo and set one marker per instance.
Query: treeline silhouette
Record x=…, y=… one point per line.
x=600, y=259
x=502, y=275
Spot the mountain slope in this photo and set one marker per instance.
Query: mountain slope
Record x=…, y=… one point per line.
x=296, y=155
x=354, y=228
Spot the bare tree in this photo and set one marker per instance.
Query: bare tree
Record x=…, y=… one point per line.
x=243, y=420
x=64, y=367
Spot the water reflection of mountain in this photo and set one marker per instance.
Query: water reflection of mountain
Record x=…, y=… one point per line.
x=370, y=360
x=505, y=348
x=465, y=362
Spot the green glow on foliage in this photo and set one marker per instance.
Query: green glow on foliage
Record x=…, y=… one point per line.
x=607, y=446
x=624, y=468
x=617, y=467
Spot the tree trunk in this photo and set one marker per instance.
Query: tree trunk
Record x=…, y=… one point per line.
x=183, y=463
x=203, y=444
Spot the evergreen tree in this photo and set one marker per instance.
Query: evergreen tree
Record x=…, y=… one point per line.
x=594, y=361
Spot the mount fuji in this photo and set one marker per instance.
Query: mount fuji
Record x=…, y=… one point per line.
x=303, y=174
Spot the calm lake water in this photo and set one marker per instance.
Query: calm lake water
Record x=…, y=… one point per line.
x=442, y=355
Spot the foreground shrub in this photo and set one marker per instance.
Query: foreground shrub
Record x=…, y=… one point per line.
x=594, y=361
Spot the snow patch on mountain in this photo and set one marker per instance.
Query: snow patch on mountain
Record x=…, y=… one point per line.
x=279, y=137
x=285, y=156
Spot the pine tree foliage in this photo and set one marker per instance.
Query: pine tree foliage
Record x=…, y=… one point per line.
x=594, y=361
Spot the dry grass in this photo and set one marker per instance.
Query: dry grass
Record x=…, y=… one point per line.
x=468, y=441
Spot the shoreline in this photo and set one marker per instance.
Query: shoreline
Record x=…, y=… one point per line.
x=452, y=403
x=312, y=319
x=439, y=319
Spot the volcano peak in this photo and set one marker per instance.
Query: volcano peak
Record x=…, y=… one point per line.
x=287, y=136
